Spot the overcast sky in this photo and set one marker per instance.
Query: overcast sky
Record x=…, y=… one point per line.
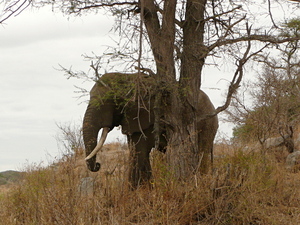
x=35, y=96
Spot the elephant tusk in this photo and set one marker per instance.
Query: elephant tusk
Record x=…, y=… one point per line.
x=100, y=143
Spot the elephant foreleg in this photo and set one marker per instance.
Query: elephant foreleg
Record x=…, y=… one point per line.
x=140, y=168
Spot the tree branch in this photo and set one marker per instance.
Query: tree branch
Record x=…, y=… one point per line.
x=254, y=37
x=107, y=5
x=11, y=10
x=237, y=78
x=223, y=13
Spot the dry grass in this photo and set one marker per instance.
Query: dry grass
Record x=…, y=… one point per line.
x=245, y=188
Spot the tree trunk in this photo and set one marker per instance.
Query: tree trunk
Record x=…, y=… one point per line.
x=177, y=102
x=184, y=153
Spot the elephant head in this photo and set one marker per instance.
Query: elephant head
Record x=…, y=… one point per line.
x=114, y=101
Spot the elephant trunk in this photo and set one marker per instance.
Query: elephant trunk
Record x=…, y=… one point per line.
x=90, y=131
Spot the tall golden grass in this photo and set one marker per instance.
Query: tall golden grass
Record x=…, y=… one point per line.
x=243, y=188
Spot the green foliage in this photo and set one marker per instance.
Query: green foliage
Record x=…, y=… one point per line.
x=10, y=176
x=243, y=132
x=258, y=123
x=291, y=28
x=123, y=88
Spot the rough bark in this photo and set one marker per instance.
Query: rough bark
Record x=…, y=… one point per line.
x=179, y=101
x=185, y=153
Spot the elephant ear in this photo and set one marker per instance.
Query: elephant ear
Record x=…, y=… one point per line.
x=136, y=119
x=139, y=115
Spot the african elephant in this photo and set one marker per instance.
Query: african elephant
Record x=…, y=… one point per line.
x=114, y=101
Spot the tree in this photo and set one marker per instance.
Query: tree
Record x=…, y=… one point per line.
x=182, y=36
x=275, y=93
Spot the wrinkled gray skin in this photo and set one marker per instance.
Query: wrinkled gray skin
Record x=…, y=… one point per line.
x=119, y=108
x=207, y=130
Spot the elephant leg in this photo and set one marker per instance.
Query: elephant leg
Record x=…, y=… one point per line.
x=140, y=168
x=206, y=140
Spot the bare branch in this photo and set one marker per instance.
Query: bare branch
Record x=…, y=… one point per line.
x=15, y=8
x=96, y=70
x=254, y=37
x=237, y=78
x=271, y=15
x=149, y=71
x=223, y=13
x=107, y=5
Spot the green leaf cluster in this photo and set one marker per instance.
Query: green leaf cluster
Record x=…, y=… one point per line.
x=291, y=28
x=123, y=88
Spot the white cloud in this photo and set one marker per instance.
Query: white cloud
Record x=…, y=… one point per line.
x=34, y=95
x=34, y=26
